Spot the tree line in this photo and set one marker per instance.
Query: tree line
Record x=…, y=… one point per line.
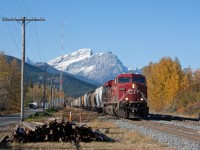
x=170, y=88
x=9, y=84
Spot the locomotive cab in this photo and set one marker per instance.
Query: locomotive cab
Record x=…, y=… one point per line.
x=131, y=88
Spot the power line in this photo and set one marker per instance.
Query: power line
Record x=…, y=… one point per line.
x=38, y=43
x=27, y=8
x=22, y=21
x=39, y=49
x=12, y=36
x=37, y=37
x=20, y=7
x=32, y=26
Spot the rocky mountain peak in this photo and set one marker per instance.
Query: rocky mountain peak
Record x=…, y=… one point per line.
x=99, y=67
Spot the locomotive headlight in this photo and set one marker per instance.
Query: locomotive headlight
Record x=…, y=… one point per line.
x=133, y=86
x=141, y=99
x=126, y=98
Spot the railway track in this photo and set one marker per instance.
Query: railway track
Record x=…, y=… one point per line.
x=189, y=122
x=184, y=129
x=183, y=132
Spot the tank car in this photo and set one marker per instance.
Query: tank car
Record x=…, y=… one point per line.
x=79, y=102
x=93, y=101
x=84, y=106
x=74, y=103
x=98, y=98
x=88, y=101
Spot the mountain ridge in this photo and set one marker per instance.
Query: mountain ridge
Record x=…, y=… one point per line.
x=99, y=67
x=72, y=86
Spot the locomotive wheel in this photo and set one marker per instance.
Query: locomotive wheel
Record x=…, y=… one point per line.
x=126, y=114
x=122, y=113
x=119, y=114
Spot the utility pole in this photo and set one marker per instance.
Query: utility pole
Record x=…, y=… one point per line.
x=22, y=21
x=61, y=72
x=51, y=93
x=44, y=87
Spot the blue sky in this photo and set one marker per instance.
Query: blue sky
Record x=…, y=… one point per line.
x=137, y=31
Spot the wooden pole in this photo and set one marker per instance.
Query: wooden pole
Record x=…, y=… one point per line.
x=80, y=119
x=70, y=116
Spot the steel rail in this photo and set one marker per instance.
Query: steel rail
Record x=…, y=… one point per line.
x=184, y=132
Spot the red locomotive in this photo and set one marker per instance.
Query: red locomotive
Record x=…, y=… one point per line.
x=126, y=97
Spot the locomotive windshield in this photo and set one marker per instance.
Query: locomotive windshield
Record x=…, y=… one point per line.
x=124, y=79
x=139, y=80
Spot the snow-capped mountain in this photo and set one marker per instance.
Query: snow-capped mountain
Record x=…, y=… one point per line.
x=135, y=70
x=99, y=67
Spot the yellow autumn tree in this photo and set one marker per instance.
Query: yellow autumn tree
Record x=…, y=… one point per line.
x=9, y=84
x=14, y=85
x=188, y=99
x=3, y=82
x=164, y=81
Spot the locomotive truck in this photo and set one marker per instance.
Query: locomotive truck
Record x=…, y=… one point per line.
x=125, y=96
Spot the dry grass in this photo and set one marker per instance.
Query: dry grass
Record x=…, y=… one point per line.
x=128, y=140
x=7, y=130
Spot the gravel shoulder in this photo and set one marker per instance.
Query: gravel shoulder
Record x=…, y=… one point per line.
x=171, y=140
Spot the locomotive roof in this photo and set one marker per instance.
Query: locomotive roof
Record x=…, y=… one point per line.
x=130, y=75
x=111, y=82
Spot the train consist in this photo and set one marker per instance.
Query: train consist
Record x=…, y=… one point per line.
x=125, y=96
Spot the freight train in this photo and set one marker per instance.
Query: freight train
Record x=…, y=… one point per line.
x=125, y=96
